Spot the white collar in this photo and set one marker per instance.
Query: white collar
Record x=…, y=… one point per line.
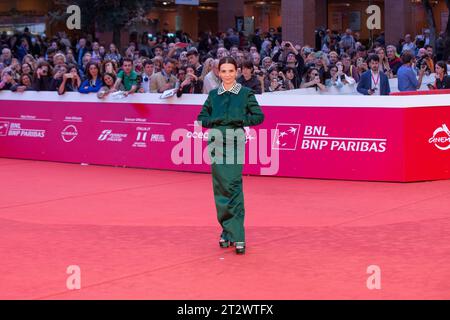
x=235, y=89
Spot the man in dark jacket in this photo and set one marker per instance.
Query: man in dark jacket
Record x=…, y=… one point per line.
x=373, y=81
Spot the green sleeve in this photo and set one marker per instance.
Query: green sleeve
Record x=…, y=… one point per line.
x=254, y=115
x=205, y=115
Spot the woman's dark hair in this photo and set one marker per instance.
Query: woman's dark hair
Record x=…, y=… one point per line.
x=443, y=65
x=29, y=65
x=113, y=76
x=295, y=80
x=333, y=66
x=72, y=66
x=308, y=73
x=287, y=69
x=43, y=64
x=88, y=66
x=189, y=67
x=229, y=60
x=25, y=75
x=113, y=62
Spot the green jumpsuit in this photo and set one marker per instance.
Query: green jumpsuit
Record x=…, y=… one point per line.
x=230, y=109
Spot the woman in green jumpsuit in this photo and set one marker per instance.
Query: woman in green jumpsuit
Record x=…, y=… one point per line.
x=228, y=109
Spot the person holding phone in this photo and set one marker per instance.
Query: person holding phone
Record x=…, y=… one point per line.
x=312, y=80
x=191, y=84
x=70, y=82
x=7, y=80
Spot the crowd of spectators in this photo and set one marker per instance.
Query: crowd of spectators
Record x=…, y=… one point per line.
x=266, y=63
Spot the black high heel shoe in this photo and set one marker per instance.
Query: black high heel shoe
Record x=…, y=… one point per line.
x=240, y=247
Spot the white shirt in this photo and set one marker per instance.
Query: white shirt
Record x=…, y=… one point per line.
x=376, y=81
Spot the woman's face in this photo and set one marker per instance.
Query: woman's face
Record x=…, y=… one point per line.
x=181, y=75
x=26, y=81
x=381, y=54
x=190, y=71
x=93, y=70
x=228, y=73
x=109, y=81
x=439, y=70
x=273, y=75
x=391, y=53
x=290, y=74
x=87, y=57
x=58, y=60
x=333, y=71
x=109, y=67
x=26, y=68
x=314, y=74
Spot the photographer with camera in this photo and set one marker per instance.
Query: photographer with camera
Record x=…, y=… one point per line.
x=273, y=81
x=191, y=84
x=289, y=56
x=337, y=77
x=407, y=80
x=70, y=81
x=373, y=82
x=424, y=59
x=249, y=79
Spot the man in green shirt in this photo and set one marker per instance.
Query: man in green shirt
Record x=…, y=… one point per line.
x=128, y=77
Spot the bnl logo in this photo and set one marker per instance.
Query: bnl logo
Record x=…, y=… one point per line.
x=4, y=128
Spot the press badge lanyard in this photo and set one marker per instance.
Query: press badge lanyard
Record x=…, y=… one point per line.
x=375, y=82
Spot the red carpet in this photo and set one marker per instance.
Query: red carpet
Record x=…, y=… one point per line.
x=143, y=234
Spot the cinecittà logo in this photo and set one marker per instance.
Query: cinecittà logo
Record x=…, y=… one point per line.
x=441, y=138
